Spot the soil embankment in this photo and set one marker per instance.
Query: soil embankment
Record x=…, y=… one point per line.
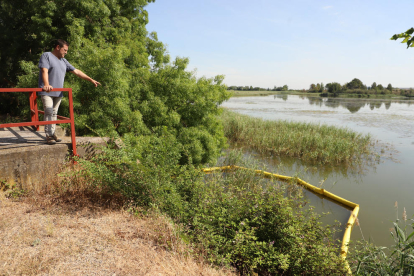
x=71, y=235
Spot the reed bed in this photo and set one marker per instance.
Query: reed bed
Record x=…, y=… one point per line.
x=314, y=143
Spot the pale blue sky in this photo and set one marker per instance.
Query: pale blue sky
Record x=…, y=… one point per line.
x=298, y=42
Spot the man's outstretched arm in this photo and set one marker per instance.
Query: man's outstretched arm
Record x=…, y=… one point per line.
x=82, y=75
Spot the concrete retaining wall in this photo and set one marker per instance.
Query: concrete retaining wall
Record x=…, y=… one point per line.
x=33, y=167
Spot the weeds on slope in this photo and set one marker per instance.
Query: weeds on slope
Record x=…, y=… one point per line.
x=232, y=219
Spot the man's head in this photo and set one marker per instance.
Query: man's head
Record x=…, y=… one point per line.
x=60, y=48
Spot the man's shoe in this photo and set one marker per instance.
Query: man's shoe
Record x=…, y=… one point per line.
x=50, y=140
x=56, y=138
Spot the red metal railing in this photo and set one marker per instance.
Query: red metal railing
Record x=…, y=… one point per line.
x=34, y=113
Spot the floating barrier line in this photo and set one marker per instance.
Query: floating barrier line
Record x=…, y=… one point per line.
x=352, y=218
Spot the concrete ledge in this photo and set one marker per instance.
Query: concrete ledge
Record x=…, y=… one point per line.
x=30, y=164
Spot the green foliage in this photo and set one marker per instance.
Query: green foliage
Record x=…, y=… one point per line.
x=146, y=170
x=235, y=219
x=357, y=87
x=407, y=37
x=333, y=87
x=250, y=224
x=369, y=259
x=314, y=143
x=355, y=84
x=318, y=87
x=280, y=88
x=251, y=88
x=10, y=190
x=315, y=88
x=312, y=88
x=142, y=92
x=408, y=93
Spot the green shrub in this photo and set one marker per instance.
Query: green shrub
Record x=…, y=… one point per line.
x=235, y=218
x=145, y=169
x=248, y=222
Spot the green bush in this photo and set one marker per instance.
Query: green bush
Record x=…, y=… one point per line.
x=235, y=218
x=250, y=224
x=145, y=169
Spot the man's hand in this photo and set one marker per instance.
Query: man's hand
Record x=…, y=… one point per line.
x=47, y=88
x=96, y=83
x=45, y=78
x=82, y=75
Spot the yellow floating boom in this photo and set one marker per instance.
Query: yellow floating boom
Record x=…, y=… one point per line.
x=354, y=214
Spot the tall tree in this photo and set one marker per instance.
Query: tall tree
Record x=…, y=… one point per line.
x=355, y=84
x=142, y=92
x=374, y=85
x=312, y=87
x=333, y=87
x=389, y=87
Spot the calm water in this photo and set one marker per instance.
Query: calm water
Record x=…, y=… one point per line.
x=380, y=185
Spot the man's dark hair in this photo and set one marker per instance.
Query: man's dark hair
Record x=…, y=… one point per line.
x=60, y=42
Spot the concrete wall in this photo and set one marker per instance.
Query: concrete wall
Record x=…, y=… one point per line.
x=35, y=167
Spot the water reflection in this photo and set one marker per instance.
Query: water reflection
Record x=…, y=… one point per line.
x=292, y=166
x=282, y=96
x=353, y=105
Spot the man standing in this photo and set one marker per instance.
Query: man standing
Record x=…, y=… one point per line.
x=53, y=67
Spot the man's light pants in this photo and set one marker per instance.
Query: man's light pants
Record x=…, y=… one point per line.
x=51, y=106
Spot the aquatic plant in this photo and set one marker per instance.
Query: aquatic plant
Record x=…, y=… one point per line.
x=369, y=259
x=315, y=143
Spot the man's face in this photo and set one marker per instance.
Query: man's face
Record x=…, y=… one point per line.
x=62, y=51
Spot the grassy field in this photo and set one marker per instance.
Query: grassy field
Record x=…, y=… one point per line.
x=315, y=143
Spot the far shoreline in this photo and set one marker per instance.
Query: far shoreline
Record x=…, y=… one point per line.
x=237, y=93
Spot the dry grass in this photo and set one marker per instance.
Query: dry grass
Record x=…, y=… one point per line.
x=81, y=232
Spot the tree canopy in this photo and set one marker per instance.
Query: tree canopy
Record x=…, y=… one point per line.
x=333, y=87
x=356, y=84
x=142, y=92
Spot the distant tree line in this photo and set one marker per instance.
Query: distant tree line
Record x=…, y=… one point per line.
x=251, y=88
x=353, y=87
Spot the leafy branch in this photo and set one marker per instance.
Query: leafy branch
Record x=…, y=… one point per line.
x=407, y=37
